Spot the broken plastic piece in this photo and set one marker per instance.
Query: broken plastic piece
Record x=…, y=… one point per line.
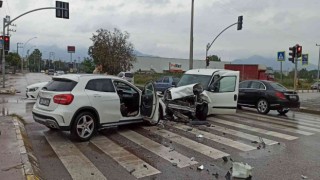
x=200, y=167
x=225, y=159
x=304, y=177
x=199, y=136
x=192, y=158
x=240, y=170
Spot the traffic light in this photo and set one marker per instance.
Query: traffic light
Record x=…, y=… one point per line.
x=240, y=18
x=62, y=10
x=0, y=4
x=207, y=61
x=299, y=50
x=292, y=53
x=6, y=42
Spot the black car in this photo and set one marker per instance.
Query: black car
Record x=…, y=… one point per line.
x=266, y=96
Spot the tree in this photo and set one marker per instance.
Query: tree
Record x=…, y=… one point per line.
x=112, y=50
x=34, y=59
x=13, y=59
x=214, y=58
x=87, y=65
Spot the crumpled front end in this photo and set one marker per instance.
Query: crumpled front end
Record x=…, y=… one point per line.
x=188, y=101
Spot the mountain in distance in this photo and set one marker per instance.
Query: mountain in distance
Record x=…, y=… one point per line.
x=272, y=62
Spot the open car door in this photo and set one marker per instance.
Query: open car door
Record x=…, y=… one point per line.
x=223, y=93
x=150, y=104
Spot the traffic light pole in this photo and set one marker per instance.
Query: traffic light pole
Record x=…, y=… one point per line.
x=295, y=74
x=210, y=44
x=5, y=24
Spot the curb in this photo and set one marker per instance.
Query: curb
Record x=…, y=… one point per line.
x=30, y=163
x=306, y=110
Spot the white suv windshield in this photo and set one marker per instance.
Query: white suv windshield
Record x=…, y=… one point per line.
x=187, y=79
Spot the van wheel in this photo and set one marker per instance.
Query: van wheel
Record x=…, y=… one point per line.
x=202, y=112
x=263, y=106
x=84, y=126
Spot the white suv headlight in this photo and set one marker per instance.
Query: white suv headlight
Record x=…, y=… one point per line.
x=33, y=89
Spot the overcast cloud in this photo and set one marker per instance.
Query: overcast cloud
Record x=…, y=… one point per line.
x=162, y=27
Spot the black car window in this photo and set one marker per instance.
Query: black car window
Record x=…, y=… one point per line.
x=244, y=84
x=256, y=85
x=124, y=87
x=278, y=86
x=176, y=80
x=160, y=79
x=166, y=79
x=100, y=85
x=60, y=85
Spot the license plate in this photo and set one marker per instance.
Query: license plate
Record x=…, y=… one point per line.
x=44, y=101
x=293, y=97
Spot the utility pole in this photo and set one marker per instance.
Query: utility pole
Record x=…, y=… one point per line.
x=318, y=63
x=191, y=37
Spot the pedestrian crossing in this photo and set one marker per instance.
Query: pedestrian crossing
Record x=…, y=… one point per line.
x=237, y=133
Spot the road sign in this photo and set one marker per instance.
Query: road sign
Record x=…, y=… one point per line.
x=305, y=59
x=71, y=49
x=281, y=55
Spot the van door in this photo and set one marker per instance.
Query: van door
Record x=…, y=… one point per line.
x=223, y=93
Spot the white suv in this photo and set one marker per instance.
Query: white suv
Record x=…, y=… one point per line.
x=84, y=104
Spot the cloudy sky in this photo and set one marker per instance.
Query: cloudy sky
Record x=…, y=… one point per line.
x=162, y=27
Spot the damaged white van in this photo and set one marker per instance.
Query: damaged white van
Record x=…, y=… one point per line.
x=201, y=92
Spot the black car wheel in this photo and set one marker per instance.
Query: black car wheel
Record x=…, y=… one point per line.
x=263, y=106
x=283, y=111
x=84, y=126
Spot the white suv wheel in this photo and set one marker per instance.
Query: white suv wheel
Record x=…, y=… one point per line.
x=84, y=126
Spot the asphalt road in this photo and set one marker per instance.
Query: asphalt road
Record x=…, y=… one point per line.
x=173, y=150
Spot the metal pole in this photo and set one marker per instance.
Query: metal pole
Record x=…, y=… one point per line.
x=191, y=37
x=281, y=70
x=3, y=56
x=295, y=74
x=318, y=63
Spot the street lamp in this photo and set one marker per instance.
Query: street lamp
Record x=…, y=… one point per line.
x=27, y=57
x=318, y=64
x=23, y=52
x=191, y=37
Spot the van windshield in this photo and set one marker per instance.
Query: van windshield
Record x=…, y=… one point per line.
x=187, y=79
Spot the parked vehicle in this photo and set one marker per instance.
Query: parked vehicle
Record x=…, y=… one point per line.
x=58, y=73
x=252, y=71
x=165, y=82
x=84, y=104
x=50, y=71
x=315, y=85
x=201, y=92
x=33, y=90
x=267, y=95
x=127, y=76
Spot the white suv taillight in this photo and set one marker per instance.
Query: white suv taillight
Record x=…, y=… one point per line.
x=64, y=99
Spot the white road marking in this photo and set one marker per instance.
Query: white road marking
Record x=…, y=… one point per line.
x=301, y=121
x=201, y=148
x=78, y=165
x=253, y=129
x=284, y=122
x=241, y=134
x=216, y=138
x=158, y=149
x=126, y=159
x=269, y=125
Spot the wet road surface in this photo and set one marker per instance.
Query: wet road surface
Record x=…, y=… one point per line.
x=173, y=150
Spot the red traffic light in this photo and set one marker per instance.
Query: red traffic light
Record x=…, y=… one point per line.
x=299, y=50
